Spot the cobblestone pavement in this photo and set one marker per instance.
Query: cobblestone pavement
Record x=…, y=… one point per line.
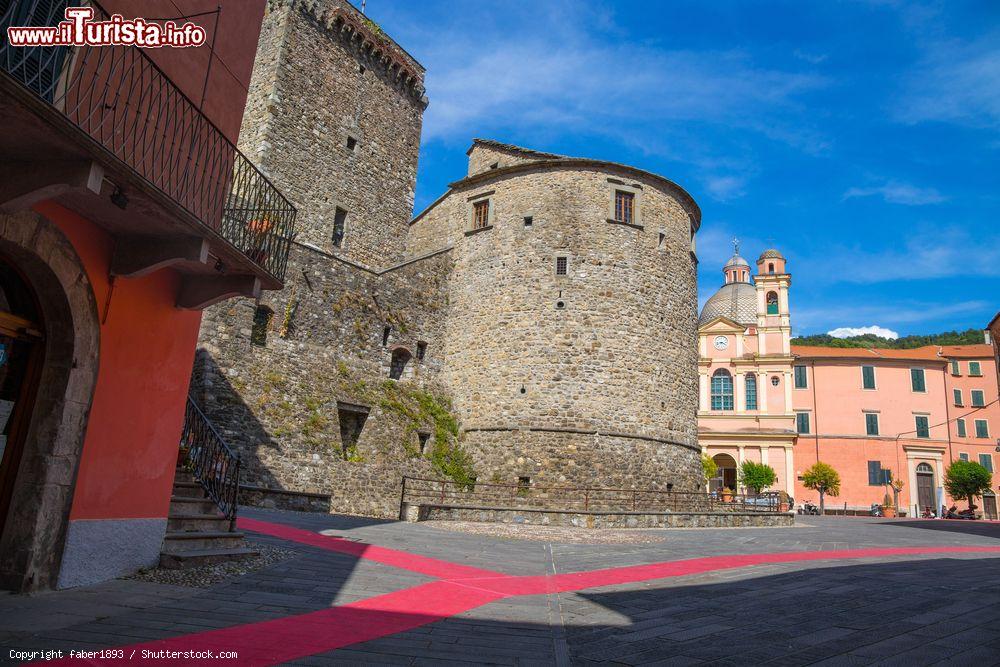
x=396, y=593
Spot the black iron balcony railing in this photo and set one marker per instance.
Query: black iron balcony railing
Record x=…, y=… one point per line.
x=127, y=104
x=214, y=465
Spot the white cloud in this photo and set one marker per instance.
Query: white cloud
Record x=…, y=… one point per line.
x=725, y=188
x=895, y=192
x=845, y=332
x=821, y=317
x=957, y=81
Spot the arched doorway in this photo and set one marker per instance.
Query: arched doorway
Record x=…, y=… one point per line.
x=726, y=475
x=925, y=488
x=53, y=333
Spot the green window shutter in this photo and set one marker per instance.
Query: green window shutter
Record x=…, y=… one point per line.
x=871, y=423
x=751, y=391
x=868, y=377
x=986, y=461
x=923, y=428
x=960, y=424
x=874, y=473
x=917, y=379
x=978, y=400
x=963, y=456
x=955, y=368
x=801, y=379
x=975, y=368
x=958, y=396
x=982, y=430
x=802, y=422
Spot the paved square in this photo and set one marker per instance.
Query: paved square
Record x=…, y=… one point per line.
x=828, y=591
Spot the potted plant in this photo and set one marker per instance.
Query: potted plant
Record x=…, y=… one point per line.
x=259, y=229
x=888, y=509
x=726, y=494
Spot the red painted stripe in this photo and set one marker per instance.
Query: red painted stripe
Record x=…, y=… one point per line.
x=431, y=567
x=293, y=637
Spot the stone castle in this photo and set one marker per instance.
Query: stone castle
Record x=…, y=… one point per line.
x=536, y=324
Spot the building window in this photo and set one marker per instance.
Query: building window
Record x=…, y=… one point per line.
x=956, y=369
x=662, y=242
x=978, y=398
x=986, y=460
x=751, y=391
x=975, y=369
x=339, y=227
x=722, y=390
x=386, y=330
x=262, y=316
x=960, y=427
x=958, y=396
x=917, y=382
x=562, y=266
x=868, y=377
x=963, y=456
x=400, y=357
x=877, y=475
x=624, y=206
x=495, y=165
x=802, y=422
x=871, y=423
x=982, y=429
x=481, y=214
x=351, y=143
x=523, y=486
x=770, y=267
x=352, y=420
x=801, y=378
x=421, y=350
x=528, y=221
x=422, y=439
x=923, y=427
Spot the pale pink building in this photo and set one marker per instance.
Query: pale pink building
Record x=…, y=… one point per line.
x=874, y=415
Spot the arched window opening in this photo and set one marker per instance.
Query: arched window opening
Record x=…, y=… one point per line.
x=722, y=390
x=772, y=303
x=925, y=469
x=770, y=268
x=751, y=391
x=400, y=357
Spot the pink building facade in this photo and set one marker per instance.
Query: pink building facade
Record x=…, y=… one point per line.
x=874, y=415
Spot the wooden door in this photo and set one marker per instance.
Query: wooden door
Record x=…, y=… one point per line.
x=990, y=506
x=925, y=492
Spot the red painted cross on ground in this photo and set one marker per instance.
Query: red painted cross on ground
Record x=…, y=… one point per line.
x=457, y=589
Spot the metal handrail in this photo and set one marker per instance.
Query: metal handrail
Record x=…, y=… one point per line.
x=214, y=465
x=586, y=498
x=120, y=98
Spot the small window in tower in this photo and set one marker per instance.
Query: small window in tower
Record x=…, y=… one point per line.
x=400, y=357
x=421, y=350
x=624, y=206
x=770, y=268
x=261, y=321
x=339, y=227
x=562, y=266
x=772, y=303
x=495, y=165
x=352, y=420
x=422, y=438
x=361, y=68
x=386, y=330
x=351, y=143
x=662, y=242
x=523, y=486
x=481, y=214
x=528, y=221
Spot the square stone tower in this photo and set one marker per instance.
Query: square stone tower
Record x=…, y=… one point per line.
x=333, y=118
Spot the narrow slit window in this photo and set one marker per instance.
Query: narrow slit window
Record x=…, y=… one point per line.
x=421, y=350
x=261, y=322
x=624, y=206
x=528, y=221
x=422, y=438
x=351, y=143
x=339, y=227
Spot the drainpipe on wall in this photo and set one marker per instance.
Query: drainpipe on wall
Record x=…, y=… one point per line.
x=815, y=409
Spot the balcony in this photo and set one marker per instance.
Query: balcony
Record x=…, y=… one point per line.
x=104, y=132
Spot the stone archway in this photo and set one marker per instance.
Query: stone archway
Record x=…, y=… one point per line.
x=34, y=534
x=726, y=476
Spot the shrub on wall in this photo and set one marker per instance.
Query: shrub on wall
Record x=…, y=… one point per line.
x=756, y=476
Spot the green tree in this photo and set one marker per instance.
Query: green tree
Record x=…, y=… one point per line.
x=822, y=478
x=756, y=476
x=967, y=479
x=709, y=467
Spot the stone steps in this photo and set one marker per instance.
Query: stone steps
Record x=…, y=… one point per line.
x=197, y=533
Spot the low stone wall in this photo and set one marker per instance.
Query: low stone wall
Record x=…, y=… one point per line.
x=578, y=519
x=299, y=501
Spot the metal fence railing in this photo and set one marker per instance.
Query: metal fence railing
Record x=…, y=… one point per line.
x=214, y=465
x=440, y=492
x=120, y=98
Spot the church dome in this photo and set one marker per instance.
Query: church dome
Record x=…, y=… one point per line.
x=770, y=253
x=736, y=301
x=736, y=260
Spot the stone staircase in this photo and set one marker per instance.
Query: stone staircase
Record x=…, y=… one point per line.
x=197, y=533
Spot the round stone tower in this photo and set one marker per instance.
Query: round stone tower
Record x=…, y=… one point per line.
x=571, y=334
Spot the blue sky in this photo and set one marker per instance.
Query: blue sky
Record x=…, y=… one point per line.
x=860, y=138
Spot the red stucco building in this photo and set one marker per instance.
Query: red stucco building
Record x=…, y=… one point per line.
x=126, y=209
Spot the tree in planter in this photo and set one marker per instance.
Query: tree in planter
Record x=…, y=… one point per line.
x=967, y=479
x=897, y=486
x=756, y=476
x=822, y=478
x=709, y=467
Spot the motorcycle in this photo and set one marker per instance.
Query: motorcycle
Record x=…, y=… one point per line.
x=876, y=510
x=809, y=508
x=966, y=514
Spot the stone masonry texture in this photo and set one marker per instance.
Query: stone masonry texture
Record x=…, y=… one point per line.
x=587, y=378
